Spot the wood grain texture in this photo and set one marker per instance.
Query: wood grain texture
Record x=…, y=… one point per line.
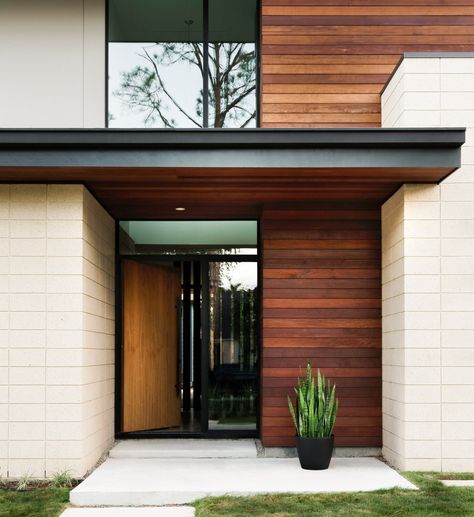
x=322, y=309
x=325, y=62
x=150, y=355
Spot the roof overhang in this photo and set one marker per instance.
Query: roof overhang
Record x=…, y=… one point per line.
x=270, y=165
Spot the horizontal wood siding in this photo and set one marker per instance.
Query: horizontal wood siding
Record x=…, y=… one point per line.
x=324, y=62
x=322, y=303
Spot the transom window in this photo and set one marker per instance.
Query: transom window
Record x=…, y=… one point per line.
x=182, y=63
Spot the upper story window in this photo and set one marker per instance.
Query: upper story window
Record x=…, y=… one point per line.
x=182, y=63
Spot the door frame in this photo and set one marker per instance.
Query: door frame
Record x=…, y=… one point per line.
x=204, y=260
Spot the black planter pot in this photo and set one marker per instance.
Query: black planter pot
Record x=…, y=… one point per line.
x=314, y=453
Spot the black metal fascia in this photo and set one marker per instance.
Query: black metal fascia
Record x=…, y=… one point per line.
x=260, y=138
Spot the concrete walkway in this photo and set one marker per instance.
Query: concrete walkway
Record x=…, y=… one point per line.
x=128, y=481
x=164, y=511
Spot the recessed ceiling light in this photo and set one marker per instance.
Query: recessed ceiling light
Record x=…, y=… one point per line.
x=180, y=209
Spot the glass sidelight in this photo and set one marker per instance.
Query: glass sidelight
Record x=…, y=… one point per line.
x=233, y=346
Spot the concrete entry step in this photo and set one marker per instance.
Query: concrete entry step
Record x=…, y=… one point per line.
x=161, y=481
x=184, y=448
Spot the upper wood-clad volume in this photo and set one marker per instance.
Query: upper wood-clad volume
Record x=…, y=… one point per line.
x=325, y=62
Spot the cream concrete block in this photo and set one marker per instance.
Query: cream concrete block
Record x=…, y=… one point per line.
x=456, y=283
x=27, y=320
x=27, y=283
x=63, y=376
x=457, y=100
x=422, y=375
x=26, y=467
x=27, y=302
x=422, y=82
x=457, y=338
x=27, y=375
x=3, y=359
x=457, y=320
x=392, y=373
x=457, y=209
x=94, y=323
x=393, y=322
x=463, y=175
x=425, y=449
x=467, y=160
x=25, y=229
x=416, y=193
x=70, y=229
x=457, y=65
x=27, y=357
x=422, y=464
x=64, y=412
x=65, y=265
x=64, y=449
x=415, y=210
x=28, y=265
x=65, y=302
x=94, y=306
x=29, y=431
x=458, y=302
x=27, y=248
x=64, y=338
x=5, y=265
x=4, y=320
x=93, y=289
x=457, y=247
x=458, y=392
x=458, y=412
x=421, y=302
x=65, y=247
x=458, y=357
x=458, y=465
x=461, y=82
x=422, y=320
x=420, y=101
x=4, y=247
x=457, y=229
x=426, y=394
x=458, y=430
x=425, y=229
x=458, y=375
x=4, y=201
x=458, y=449
x=65, y=394
x=422, y=412
x=4, y=302
x=422, y=266
x=77, y=468
x=5, y=228
x=423, y=65
x=26, y=412
x=32, y=394
x=27, y=338
x=457, y=265
x=67, y=357
x=393, y=288
x=427, y=117
x=65, y=284
x=461, y=118
x=65, y=320
x=64, y=431
x=423, y=430
x=28, y=202
x=392, y=305
x=422, y=247
x=422, y=357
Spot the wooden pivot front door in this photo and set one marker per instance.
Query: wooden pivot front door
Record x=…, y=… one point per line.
x=150, y=346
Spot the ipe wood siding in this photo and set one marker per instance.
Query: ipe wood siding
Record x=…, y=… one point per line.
x=325, y=62
x=322, y=303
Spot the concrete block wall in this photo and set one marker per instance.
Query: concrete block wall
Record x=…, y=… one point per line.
x=56, y=337
x=437, y=320
x=54, y=53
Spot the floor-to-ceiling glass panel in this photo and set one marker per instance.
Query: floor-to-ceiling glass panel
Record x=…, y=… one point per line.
x=155, y=63
x=233, y=346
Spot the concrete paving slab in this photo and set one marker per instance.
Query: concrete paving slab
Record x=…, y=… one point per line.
x=136, y=482
x=163, y=511
x=465, y=483
x=184, y=448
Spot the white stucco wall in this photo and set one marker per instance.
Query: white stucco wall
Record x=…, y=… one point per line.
x=428, y=285
x=56, y=330
x=52, y=58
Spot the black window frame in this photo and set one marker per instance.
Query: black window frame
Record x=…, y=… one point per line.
x=205, y=5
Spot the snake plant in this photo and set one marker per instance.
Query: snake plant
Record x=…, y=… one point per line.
x=316, y=406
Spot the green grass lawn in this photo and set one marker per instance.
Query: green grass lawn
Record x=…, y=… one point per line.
x=37, y=502
x=432, y=500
